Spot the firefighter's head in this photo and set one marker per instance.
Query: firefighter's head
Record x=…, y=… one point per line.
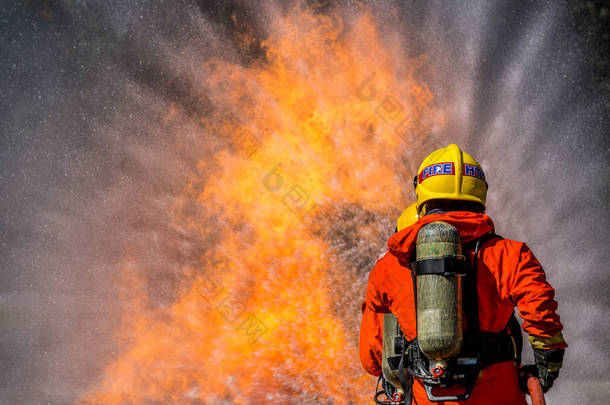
x=407, y=218
x=450, y=180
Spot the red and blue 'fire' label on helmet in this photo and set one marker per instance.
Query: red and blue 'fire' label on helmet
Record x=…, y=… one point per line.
x=435, y=170
x=448, y=168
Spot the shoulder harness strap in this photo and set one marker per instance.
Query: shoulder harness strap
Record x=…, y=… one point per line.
x=470, y=294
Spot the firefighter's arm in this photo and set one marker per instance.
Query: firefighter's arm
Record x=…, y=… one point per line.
x=534, y=298
x=371, y=329
x=371, y=340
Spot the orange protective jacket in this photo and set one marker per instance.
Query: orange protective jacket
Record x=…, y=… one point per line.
x=508, y=274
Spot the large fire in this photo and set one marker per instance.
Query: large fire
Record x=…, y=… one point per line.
x=315, y=143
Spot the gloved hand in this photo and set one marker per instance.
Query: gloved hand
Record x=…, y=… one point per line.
x=548, y=363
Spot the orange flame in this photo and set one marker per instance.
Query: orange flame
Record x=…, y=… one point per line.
x=327, y=123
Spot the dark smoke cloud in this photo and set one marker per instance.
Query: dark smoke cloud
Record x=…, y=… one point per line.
x=87, y=165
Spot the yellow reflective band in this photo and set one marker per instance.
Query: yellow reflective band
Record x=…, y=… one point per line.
x=539, y=342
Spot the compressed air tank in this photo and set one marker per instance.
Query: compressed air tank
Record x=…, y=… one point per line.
x=439, y=293
x=391, y=330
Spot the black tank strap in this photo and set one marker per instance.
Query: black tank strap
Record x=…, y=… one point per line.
x=515, y=332
x=495, y=347
x=405, y=383
x=469, y=291
x=470, y=295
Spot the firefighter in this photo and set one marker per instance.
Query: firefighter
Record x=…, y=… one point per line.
x=450, y=186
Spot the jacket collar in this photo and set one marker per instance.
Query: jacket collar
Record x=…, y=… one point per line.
x=470, y=225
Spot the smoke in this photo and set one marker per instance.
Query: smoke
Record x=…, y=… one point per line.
x=93, y=160
x=520, y=83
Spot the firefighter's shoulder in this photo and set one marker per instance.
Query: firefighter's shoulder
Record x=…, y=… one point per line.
x=382, y=255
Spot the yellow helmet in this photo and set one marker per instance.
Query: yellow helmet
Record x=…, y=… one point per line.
x=407, y=218
x=450, y=174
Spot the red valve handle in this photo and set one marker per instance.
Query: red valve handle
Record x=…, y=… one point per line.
x=437, y=371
